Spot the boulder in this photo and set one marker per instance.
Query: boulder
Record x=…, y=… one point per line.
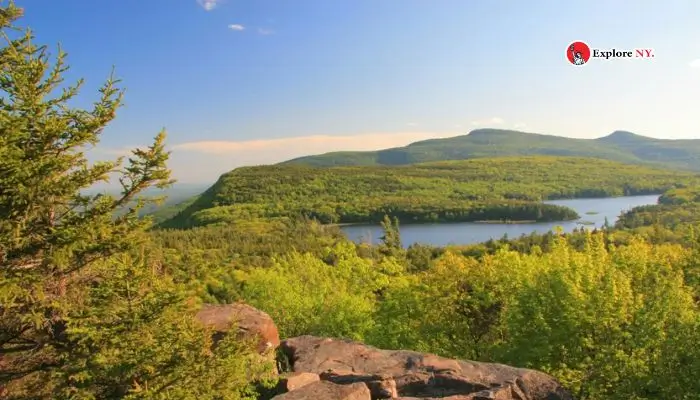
x=247, y=321
x=407, y=374
x=295, y=380
x=328, y=391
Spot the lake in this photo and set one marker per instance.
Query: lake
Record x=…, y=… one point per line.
x=441, y=234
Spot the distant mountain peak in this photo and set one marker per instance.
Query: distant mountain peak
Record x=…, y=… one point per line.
x=483, y=131
x=623, y=136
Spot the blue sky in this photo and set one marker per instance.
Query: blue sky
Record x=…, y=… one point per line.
x=241, y=82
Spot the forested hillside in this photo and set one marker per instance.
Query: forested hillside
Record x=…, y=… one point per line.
x=472, y=190
x=619, y=146
x=612, y=314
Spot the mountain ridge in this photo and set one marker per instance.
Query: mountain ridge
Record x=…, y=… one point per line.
x=483, y=189
x=621, y=146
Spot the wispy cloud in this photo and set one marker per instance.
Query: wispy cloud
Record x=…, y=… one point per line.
x=284, y=148
x=236, y=27
x=520, y=125
x=412, y=124
x=205, y=161
x=492, y=121
x=265, y=31
x=209, y=4
x=695, y=63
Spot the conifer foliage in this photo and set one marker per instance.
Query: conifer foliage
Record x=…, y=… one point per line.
x=86, y=311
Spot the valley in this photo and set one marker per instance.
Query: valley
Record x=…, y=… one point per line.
x=499, y=189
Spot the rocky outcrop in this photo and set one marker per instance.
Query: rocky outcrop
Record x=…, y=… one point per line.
x=333, y=369
x=247, y=321
x=328, y=391
x=295, y=380
x=412, y=375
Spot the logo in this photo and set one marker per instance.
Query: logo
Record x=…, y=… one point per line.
x=579, y=53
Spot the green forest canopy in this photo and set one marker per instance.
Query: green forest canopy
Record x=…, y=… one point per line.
x=508, y=188
x=613, y=315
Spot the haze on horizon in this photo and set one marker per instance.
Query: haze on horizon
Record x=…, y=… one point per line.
x=243, y=82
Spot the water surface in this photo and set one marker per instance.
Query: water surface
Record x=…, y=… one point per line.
x=440, y=234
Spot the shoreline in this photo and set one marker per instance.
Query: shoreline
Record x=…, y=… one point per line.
x=483, y=222
x=496, y=222
x=515, y=222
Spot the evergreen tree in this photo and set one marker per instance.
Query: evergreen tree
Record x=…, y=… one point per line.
x=391, y=240
x=85, y=310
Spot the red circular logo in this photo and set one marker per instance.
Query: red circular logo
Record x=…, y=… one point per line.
x=578, y=53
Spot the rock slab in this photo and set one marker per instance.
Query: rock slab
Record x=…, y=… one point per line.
x=328, y=391
x=295, y=380
x=412, y=375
